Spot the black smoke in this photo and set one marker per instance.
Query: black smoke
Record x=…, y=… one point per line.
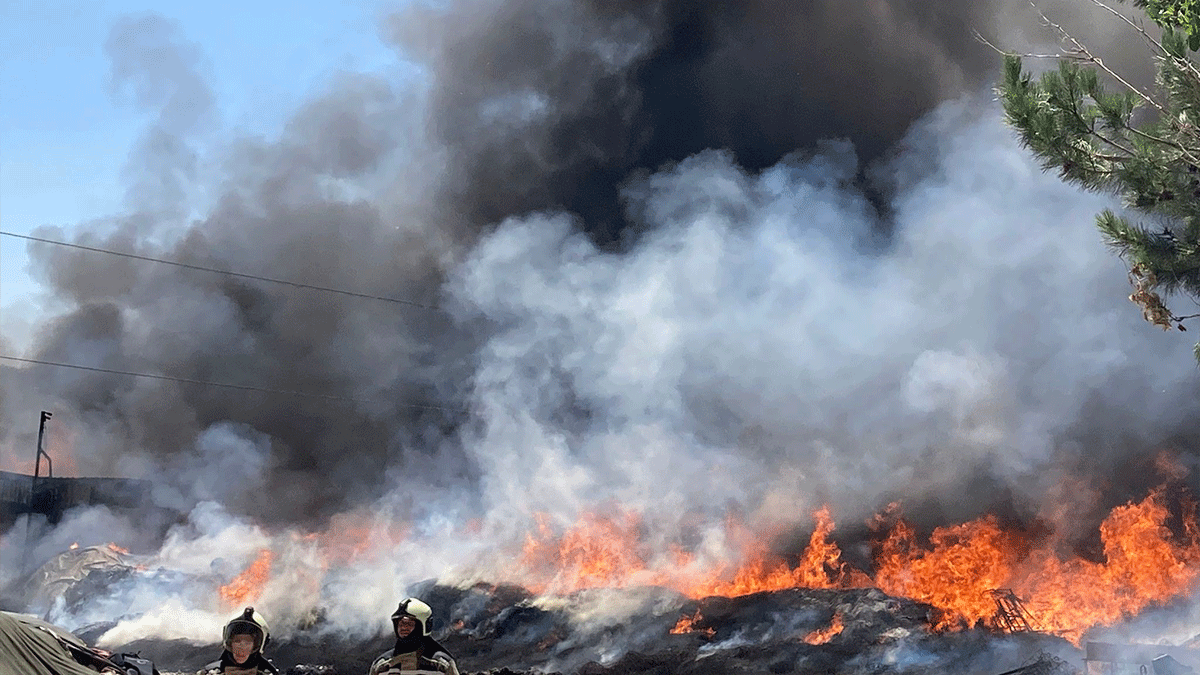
x=384, y=189
x=554, y=105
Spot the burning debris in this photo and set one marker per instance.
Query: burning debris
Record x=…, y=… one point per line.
x=499, y=629
x=1011, y=614
x=489, y=626
x=246, y=586
x=579, y=343
x=812, y=613
x=507, y=628
x=823, y=635
x=1044, y=664
x=687, y=624
x=977, y=573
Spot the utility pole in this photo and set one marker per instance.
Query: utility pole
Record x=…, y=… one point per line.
x=37, y=465
x=37, y=461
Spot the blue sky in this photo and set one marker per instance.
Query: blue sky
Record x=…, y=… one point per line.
x=65, y=134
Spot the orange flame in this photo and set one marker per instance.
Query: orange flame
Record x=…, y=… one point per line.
x=966, y=563
x=74, y=545
x=686, y=622
x=247, y=586
x=820, y=567
x=823, y=635
x=117, y=549
x=1144, y=564
x=355, y=534
x=597, y=551
x=1169, y=466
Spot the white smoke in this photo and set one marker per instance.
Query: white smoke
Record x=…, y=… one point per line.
x=755, y=348
x=761, y=348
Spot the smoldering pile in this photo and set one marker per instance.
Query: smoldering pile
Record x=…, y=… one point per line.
x=617, y=626
x=506, y=630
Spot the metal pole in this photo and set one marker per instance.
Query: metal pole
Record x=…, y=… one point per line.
x=37, y=462
x=37, y=465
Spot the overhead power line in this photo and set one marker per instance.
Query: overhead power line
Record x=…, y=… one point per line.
x=242, y=387
x=201, y=268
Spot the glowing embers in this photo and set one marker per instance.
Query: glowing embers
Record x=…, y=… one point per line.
x=823, y=635
x=687, y=624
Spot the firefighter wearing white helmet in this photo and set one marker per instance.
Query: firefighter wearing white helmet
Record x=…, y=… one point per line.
x=415, y=651
x=244, y=639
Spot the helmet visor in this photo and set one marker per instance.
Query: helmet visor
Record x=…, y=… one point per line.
x=239, y=627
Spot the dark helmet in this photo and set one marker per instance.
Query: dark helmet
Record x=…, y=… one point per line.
x=416, y=609
x=251, y=623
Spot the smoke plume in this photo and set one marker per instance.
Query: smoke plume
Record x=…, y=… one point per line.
x=684, y=258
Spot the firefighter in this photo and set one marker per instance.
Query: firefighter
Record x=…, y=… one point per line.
x=244, y=639
x=415, y=651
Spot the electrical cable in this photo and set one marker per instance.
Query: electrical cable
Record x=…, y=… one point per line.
x=217, y=271
x=242, y=387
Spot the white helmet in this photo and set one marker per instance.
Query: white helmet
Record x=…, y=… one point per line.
x=251, y=623
x=417, y=610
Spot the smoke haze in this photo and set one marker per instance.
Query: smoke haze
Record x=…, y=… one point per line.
x=682, y=258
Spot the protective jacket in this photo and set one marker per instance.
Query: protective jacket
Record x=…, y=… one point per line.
x=250, y=623
x=257, y=664
x=428, y=657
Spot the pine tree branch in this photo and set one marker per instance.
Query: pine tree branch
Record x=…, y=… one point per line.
x=1087, y=55
x=1136, y=26
x=1068, y=117
x=1163, y=141
x=1157, y=46
x=1092, y=130
x=1082, y=54
x=1060, y=56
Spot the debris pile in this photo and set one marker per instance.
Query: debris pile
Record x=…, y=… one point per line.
x=505, y=630
x=509, y=630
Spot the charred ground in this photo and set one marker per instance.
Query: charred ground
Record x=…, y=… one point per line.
x=492, y=628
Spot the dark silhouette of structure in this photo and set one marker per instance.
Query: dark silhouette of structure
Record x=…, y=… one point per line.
x=52, y=496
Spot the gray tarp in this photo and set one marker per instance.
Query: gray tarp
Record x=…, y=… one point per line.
x=26, y=649
x=55, y=580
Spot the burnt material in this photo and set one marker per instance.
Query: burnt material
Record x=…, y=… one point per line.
x=505, y=630
x=1045, y=664
x=1182, y=660
x=1011, y=614
x=1165, y=665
